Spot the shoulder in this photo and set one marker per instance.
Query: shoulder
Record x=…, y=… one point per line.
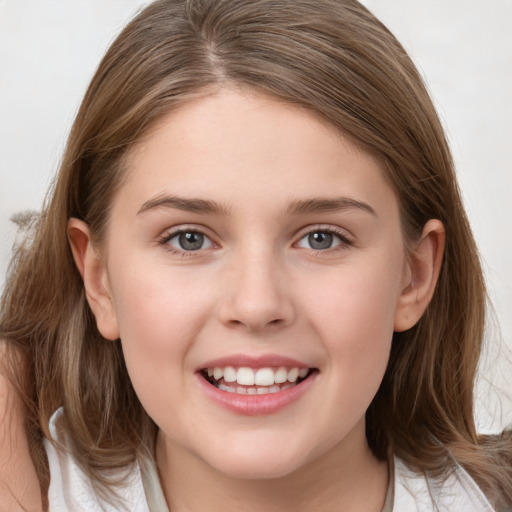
x=457, y=492
x=19, y=485
x=71, y=489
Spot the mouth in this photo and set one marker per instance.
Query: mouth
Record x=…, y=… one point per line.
x=255, y=381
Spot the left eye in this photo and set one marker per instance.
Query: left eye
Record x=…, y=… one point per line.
x=320, y=240
x=189, y=241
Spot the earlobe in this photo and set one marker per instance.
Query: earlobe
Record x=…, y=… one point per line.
x=94, y=275
x=422, y=272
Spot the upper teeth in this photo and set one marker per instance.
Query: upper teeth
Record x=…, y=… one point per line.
x=259, y=377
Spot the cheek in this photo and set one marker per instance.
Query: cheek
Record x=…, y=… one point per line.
x=354, y=318
x=358, y=302
x=159, y=316
x=158, y=307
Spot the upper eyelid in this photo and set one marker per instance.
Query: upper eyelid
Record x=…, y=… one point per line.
x=183, y=228
x=342, y=232
x=170, y=233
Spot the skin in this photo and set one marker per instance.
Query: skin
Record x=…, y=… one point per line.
x=257, y=286
x=19, y=486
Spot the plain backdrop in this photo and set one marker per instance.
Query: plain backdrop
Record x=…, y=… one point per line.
x=49, y=50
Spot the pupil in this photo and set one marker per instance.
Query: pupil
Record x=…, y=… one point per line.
x=191, y=241
x=320, y=240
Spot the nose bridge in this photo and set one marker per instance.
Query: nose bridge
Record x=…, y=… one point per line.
x=257, y=293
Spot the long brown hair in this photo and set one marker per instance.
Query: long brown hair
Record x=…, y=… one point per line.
x=334, y=58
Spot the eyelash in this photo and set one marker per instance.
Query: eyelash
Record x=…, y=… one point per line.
x=167, y=237
x=344, y=241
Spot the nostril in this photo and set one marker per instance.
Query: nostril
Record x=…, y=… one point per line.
x=275, y=322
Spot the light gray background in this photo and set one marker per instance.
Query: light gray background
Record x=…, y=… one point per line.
x=50, y=48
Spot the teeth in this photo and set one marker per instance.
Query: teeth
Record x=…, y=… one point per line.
x=227, y=388
x=245, y=376
x=293, y=374
x=262, y=377
x=303, y=372
x=281, y=376
x=229, y=374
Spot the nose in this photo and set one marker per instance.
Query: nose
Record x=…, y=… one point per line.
x=258, y=295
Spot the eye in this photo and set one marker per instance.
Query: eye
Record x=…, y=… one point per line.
x=322, y=239
x=188, y=240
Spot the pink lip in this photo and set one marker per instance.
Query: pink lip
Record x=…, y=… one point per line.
x=262, y=361
x=253, y=405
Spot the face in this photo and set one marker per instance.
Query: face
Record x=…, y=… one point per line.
x=255, y=266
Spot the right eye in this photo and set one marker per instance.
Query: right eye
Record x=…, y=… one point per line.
x=187, y=240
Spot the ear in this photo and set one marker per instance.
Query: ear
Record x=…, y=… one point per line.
x=93, y=270
x=422, y=272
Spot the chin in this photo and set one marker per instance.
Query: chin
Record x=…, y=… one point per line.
x=260, y=465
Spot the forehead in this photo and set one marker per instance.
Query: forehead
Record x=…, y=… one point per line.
x=237, y=144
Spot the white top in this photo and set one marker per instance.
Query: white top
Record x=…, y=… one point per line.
x=70, y=489
x=418, y=493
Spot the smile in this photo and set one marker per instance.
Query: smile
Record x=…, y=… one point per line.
x=255, y=381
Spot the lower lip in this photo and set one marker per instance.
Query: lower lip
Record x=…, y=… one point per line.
x=253, y=405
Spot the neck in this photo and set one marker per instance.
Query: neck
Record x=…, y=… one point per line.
x=347, y=477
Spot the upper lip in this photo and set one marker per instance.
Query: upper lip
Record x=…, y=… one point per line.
x=248, y=361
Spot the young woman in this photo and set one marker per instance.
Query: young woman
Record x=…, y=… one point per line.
x=254, y=285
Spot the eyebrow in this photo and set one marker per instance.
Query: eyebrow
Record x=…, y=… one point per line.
x=193, y=205
x=316, y=205
x=298, y=207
